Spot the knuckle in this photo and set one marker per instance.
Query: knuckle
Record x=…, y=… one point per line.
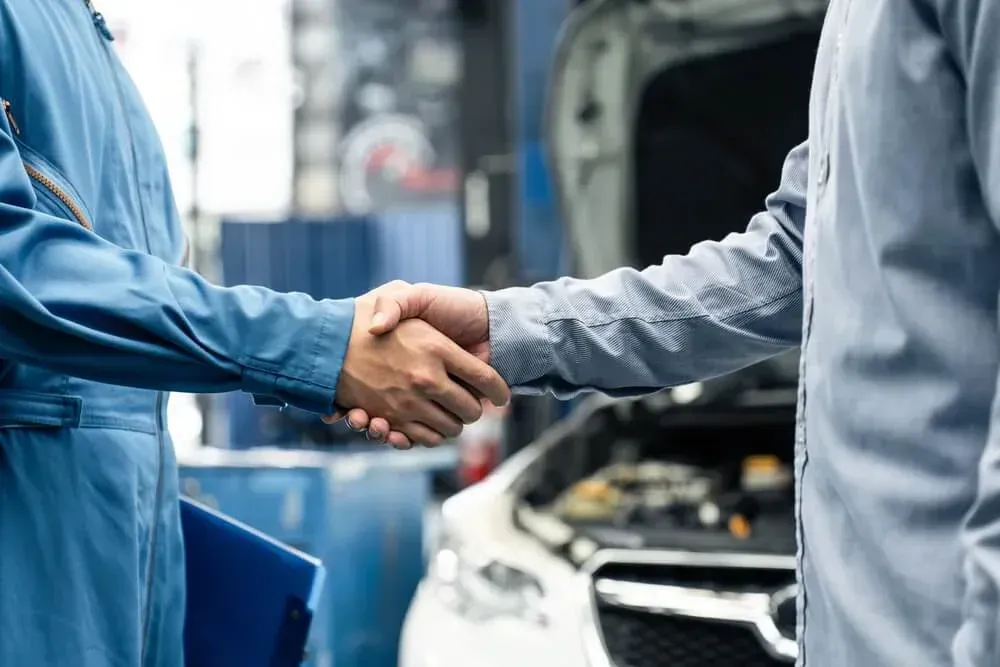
x=434, y=348
x=423, y=379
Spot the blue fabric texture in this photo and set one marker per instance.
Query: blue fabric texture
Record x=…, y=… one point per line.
x=97, y=319
x=879, y=255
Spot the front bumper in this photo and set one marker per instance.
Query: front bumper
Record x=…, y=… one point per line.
x=436, y=636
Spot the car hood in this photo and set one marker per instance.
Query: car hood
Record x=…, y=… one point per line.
x=608, y=53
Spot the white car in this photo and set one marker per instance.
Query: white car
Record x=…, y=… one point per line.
x=653, y=532
x=634, y=534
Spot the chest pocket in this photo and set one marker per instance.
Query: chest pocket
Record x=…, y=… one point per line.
x=154, y=228
x=56, y=195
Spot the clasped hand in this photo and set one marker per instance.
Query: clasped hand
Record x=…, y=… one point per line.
x=426, y=384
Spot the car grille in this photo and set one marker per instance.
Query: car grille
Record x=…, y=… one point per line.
x=642, y=639
x=735, y=579
x=638, y=637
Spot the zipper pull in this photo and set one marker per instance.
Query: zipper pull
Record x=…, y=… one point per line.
x=99, y=22
x=10, y=118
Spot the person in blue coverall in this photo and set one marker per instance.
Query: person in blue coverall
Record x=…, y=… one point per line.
x=879, y=255
x=98, y=319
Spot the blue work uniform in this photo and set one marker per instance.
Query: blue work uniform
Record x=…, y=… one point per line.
x=879, y=254
x=97, y=320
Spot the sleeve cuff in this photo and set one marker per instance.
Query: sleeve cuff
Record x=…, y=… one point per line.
x=309, y=382
x=520, y=346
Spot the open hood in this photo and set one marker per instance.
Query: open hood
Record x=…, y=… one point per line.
x=668, y=121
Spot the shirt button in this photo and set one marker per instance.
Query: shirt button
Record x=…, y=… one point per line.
x=824, y=170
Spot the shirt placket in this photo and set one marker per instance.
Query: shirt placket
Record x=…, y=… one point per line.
x=821, y=143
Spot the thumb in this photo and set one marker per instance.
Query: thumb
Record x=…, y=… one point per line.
x=393, y=307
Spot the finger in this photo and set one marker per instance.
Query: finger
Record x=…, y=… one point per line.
x=393, y=306
x=421, y=434
x=398, y=440
x=458, y=400
x=480, y=376
x=437, y=418
x=386, y=314
x=357, y=420
x=378, y=429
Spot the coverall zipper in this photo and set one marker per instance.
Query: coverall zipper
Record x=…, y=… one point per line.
x=10, y=118
x=99, y=22
x=60, y=194
x=105, y=32
x=43, y=180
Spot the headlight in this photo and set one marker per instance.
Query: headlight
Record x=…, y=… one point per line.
x=481, y=588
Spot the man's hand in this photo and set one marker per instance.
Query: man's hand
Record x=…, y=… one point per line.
x=415, y=377
x=459, y=314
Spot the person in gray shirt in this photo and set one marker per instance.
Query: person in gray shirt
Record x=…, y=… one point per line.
x=879, y=255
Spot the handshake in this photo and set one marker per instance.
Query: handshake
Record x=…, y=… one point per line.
x=417, y=365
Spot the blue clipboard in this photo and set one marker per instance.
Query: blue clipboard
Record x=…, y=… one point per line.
x=250, y=598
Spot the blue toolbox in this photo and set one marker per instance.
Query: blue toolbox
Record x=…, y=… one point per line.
x=361, y=511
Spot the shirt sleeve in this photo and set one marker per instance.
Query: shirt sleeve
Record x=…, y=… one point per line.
x=722, y=306
x=972, y=31
x=77, y=304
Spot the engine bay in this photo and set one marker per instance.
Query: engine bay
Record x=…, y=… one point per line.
x=702, y=479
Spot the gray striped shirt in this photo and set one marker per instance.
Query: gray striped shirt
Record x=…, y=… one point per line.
x=879, y=255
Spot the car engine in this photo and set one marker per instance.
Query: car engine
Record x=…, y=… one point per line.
x=663, y=500
x=697, y=479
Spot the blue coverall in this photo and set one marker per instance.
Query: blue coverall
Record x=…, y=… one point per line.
x=98, y=319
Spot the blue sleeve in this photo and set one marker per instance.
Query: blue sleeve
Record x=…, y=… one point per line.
x=972, y=32
x=76, y=304
x=721, y=307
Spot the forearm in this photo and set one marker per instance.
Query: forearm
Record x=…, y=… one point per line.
x=722, y=306
x=74, y=303
x=80, y=306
